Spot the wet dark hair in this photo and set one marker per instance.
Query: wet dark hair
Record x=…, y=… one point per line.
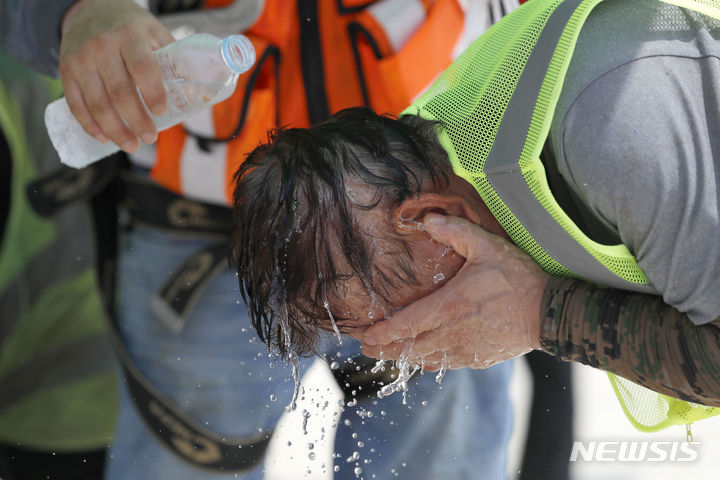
x=297, y=239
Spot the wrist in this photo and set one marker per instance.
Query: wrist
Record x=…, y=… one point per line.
x=71, y=12
x=553, y=312
x=533, y=320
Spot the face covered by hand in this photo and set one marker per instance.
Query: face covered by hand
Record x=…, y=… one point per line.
x=488, y=312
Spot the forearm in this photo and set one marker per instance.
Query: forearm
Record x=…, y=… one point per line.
x=636, y=336
x=30, y=31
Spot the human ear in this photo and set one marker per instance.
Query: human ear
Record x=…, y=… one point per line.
x=414, y=209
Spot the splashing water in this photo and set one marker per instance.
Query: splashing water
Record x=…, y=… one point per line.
x=406, y=369
x=295, y=362
x=291, y=357
x=332, y=320
x=379, y=365
x=411, y=224
x=443, y=368
x=305, y=415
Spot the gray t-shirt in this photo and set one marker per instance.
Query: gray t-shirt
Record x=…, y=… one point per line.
x=636, y=135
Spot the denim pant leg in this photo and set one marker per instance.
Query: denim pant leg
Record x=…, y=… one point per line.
x=455, y=429
x=215, y=369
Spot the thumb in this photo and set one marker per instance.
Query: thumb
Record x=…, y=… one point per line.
x=463, y=236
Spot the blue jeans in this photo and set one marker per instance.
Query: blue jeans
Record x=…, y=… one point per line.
x=217, y=372
x=214, y=369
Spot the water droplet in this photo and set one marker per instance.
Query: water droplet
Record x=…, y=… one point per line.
x=378, y=365
x=336, y=468
x=273, y=397
x=306, y=415
x=311, y=446
x=438, y=277
x=334, y=366
x=443, y=369
x=357, y=471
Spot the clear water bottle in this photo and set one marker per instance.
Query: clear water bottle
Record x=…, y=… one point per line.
x=198, y=72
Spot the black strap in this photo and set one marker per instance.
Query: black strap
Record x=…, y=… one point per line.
x=150, y=204
x=52, y=192
x=175, y=300
x=180, y=434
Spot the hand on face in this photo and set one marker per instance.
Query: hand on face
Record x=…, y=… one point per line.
x=487, y=313
x=106, y=52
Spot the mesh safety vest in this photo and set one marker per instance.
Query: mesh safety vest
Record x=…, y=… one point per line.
x=313, y=58
x=496, y=102
x=58, y=387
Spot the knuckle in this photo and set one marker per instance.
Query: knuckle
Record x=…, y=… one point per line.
x=126, y=30
x=121, y=91
x=98, y=109
x=98, y=44
x=85, y=123
x=142, y=64
x=65, y=69
x=124, y=100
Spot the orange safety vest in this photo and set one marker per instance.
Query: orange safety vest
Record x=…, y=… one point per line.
x=313, y=58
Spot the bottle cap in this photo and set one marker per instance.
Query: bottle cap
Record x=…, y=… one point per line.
x=238, y=53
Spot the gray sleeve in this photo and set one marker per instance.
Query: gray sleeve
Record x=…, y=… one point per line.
x=640, y=146
x=30, y=31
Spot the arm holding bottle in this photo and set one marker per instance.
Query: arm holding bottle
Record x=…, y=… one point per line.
x=103, y=50
x=106, y=55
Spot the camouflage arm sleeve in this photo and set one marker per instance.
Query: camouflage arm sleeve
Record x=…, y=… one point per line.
x=635, y=336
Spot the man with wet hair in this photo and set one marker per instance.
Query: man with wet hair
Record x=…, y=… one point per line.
x=329, y=236
x=346, y=226
x=333, y=239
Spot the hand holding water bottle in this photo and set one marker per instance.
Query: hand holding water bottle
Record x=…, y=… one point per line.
x=106, y=55
x=196, y=72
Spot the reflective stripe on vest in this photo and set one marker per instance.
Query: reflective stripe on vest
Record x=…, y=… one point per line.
x=383, y=54
x=508, y=181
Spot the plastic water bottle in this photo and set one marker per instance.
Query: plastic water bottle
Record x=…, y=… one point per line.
x=198, y=72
